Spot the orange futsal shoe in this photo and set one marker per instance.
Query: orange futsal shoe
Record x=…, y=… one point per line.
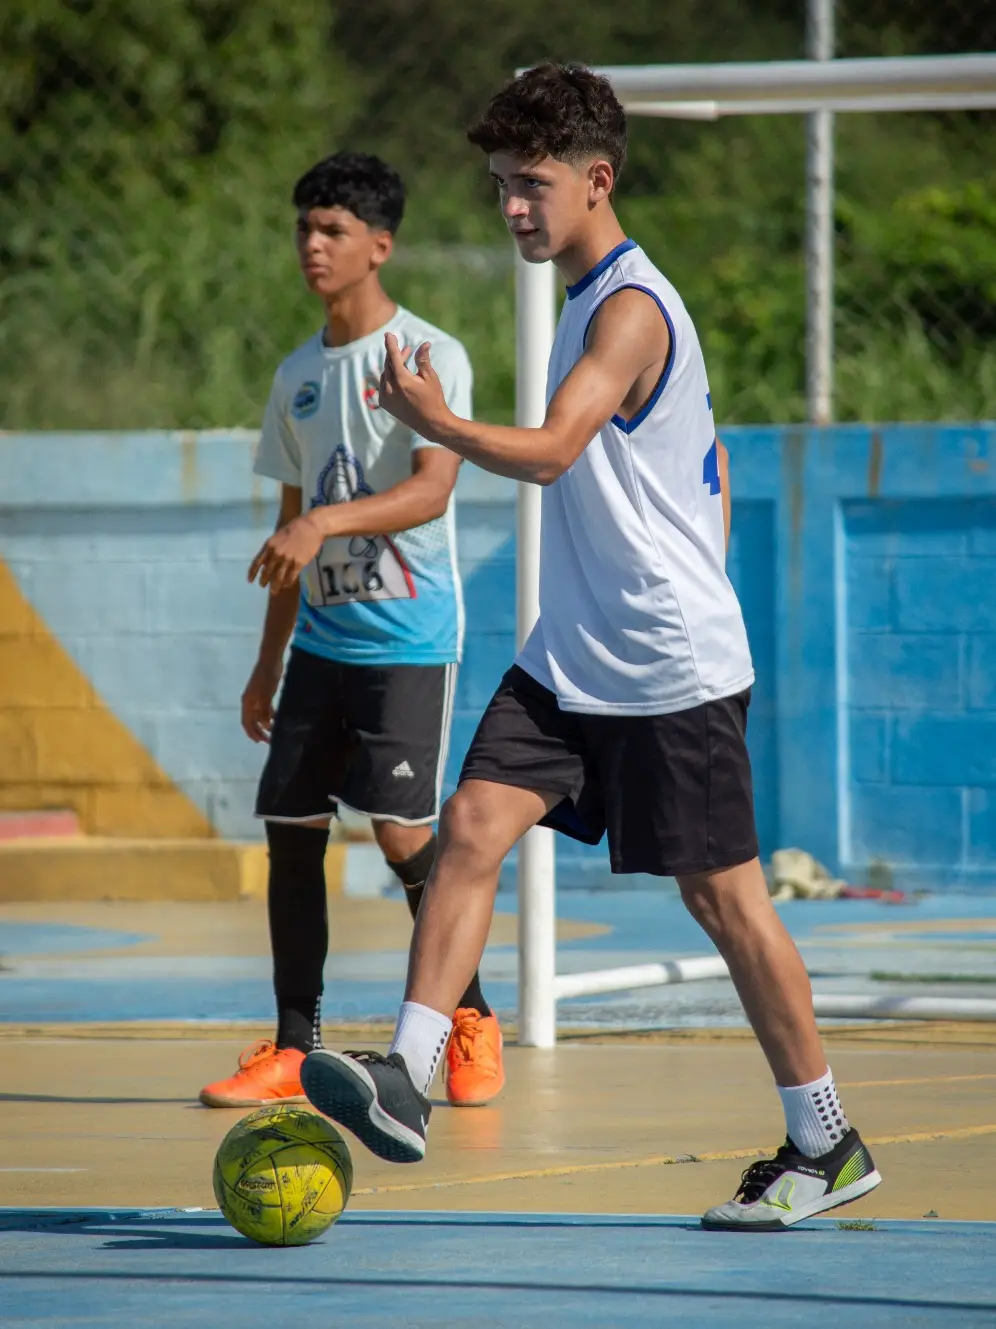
x=266, y=1074
x=474, y=1070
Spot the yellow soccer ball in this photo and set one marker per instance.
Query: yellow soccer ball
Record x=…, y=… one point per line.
x=282, y=1175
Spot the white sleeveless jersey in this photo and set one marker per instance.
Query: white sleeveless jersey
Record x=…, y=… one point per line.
x=637, y=614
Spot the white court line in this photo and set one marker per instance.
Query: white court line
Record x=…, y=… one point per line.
x=44, y=1169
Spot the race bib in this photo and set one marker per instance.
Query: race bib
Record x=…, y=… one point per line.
x=353, y=569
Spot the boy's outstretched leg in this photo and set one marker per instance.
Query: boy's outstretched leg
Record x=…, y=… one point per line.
x=475, y=1072
x=823, y=1162
x=382, y=1100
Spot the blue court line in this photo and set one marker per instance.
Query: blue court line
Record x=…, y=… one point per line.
x=13, y=1216
x=118, y=1268
x=24, y=938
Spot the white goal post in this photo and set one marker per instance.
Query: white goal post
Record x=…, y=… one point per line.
x=788, y=87
x=818, y=87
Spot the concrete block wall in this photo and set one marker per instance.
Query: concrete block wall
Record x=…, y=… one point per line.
x=130, y=628
x=881, y=594
x=865, y=560
x=921, y=594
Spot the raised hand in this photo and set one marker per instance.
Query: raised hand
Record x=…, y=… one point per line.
x=415, y=398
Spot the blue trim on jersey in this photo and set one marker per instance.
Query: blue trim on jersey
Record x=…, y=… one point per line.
x=622, y=248
x=628, y=426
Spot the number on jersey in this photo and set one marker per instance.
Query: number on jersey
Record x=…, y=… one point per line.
x=710, y=469
x=350, y=571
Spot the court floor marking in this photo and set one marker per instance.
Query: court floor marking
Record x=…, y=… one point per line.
x=44, y=1169
x=925, y=1079
x=662, y=1160
x=939, y=1133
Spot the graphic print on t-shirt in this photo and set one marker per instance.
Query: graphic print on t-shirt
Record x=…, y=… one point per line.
x=367, y=600
x=350, y=569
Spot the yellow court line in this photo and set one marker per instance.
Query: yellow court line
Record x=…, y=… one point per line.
x=663, y=1160
x=941, y=1133
x=568, y=1170
x=926, y=1079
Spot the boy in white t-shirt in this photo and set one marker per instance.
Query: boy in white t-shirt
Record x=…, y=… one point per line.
x=363, y=584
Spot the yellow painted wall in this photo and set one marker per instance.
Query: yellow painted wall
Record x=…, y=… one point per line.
x=61, y=747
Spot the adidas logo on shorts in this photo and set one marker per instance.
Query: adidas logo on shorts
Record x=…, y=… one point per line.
x=403, y=771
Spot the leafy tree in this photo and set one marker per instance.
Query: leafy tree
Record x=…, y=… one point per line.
x=148, y=149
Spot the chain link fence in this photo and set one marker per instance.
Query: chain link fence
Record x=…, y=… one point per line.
x=147, y=153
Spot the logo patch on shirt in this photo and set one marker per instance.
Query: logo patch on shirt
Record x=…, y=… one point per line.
x=371, y=392
x=403, y=771
x=306, y=400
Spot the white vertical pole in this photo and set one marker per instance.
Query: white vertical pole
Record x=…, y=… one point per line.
x=535, y=313
x=819, y=228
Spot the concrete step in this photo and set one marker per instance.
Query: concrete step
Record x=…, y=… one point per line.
x=99, y=868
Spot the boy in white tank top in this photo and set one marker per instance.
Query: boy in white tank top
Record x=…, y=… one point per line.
x=626, y=710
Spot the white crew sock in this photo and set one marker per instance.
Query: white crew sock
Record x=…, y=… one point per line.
x=421, y=1037
x=813, y=1115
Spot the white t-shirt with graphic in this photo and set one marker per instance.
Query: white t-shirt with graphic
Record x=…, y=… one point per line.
x=371, y=599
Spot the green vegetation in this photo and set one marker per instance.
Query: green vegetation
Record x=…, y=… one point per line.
x=148, y=147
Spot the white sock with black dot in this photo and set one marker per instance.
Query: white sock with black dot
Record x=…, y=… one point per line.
x=813, y=1115
x=421, y=1037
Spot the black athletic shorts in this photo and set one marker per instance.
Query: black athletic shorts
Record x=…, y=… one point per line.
x=673, y=791
x=371, y=737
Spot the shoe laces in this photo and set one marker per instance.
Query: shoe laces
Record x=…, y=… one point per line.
x=258, y=1052
x=368, y=1058
x=756, y=1179
x=468, y=1041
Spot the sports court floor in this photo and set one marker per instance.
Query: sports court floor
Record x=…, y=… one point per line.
x=573, y=1200
x=394, y=1269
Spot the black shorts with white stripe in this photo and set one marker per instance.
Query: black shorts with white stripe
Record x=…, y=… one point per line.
x=674, y=791
x=372, y=738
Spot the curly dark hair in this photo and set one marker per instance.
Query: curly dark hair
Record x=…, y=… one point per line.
x=561, y=111
x=364, y=185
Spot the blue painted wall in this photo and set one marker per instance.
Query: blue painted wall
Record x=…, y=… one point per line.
x=867, y=569
x=865, y=560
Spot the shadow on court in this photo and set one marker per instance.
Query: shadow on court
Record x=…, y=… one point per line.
x=84, y=1099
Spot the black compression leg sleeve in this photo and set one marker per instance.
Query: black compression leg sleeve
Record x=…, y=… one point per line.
x=413, y=873
x=299, y=930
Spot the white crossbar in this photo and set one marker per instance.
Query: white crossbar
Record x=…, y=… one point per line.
x=904, y=1008
x=871, y=105
x=627, y=978
x=780, y=79
x=593, y=981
